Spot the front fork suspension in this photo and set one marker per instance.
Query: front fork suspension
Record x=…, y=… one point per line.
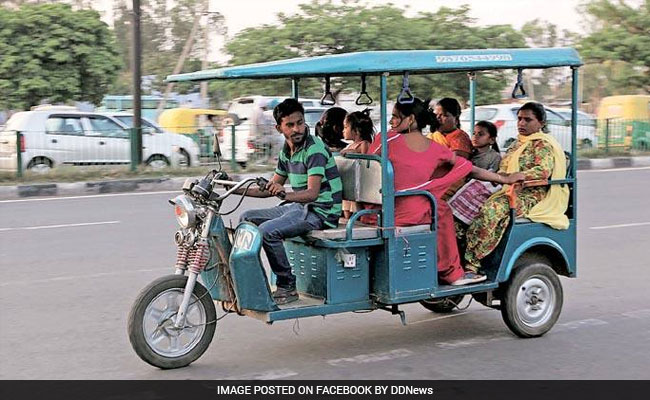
x=199, y=258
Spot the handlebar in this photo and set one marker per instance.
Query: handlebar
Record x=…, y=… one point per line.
x=261, y=183
x=235, y=186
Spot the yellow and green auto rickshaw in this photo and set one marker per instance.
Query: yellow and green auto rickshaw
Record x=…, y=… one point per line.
x=187, y=121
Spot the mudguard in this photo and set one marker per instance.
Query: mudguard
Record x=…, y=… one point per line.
x=250, y=281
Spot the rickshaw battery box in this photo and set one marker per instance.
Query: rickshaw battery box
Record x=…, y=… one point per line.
x=338, y=275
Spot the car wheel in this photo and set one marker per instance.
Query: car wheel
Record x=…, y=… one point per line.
x=184, y=161
x=586, y=144
x=157, y=162
x=40, y=165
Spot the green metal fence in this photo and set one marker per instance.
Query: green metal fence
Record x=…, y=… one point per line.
x=626, y=134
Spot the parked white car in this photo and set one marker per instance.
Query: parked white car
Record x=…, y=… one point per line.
x=504, y=116
x=55, y=135
x=184, y=151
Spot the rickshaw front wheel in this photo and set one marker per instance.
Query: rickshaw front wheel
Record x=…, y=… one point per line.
x=444, y=305
x=151, y=328
x=532, y=300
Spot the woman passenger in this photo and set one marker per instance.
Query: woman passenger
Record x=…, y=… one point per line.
x=449, y=134
x=536, y=155
x=330, y=128
x=415, y=160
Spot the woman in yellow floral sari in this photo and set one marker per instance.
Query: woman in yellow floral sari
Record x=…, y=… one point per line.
x=538, y=156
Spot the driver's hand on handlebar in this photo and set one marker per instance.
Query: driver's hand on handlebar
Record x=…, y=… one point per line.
x=274, y=188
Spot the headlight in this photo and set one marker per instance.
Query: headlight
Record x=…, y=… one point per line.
x=185, y=211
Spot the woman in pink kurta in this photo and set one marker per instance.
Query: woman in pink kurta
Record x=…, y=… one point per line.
x=416, y=160
x=413, y=170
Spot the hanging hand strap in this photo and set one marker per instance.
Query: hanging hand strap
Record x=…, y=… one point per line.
x=361, y=101
x=328, y=98
x=405, y=96
x=519, y=85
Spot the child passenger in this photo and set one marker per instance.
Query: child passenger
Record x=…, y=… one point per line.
x=486, y=150
x=359, y=128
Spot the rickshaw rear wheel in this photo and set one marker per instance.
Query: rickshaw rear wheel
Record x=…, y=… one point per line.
x=444, y=305
x=532, y=299
x=151, y=323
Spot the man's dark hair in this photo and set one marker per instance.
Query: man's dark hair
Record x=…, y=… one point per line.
x=539, y=112
x=286, y=108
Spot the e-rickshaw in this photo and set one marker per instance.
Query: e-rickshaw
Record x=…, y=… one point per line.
x=353, y=267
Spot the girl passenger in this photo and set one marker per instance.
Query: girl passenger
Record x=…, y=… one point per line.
x=358, y=128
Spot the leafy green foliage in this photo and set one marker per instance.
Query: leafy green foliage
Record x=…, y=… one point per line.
x=326, y=28
x=51, y=52
x=619, y=46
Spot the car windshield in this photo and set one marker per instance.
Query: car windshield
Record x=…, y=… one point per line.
x=128, y=121
x=481, y=114
x=311, y=117
x=582, y=118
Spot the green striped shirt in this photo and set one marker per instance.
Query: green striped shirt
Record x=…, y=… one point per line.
x=313, y=158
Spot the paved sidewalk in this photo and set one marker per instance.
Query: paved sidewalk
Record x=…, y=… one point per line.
x=162, y=184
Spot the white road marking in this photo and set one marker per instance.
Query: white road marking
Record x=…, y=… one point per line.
x=91, y=196
x=437, y=318
x=620, y=225
x=89, y=276
x=579, y=324
x=587, y=171
x=264, y=376
x=30, y=228
x=454, y=344
x=374, y=357
x=640, y=314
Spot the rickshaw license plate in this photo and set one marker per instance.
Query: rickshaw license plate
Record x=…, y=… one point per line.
x=349, y=260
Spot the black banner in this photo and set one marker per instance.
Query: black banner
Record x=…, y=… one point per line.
x=440, y=390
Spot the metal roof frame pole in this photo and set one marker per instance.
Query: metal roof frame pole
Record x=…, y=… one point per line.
x=294, y=87
x=387, y=190
x=472, y=100
x=574, y=135
x=136, y=137
x=19, y=155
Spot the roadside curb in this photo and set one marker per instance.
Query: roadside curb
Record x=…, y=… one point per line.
x=162, y=184
x=101, y=187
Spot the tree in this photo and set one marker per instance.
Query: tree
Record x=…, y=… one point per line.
x=619, y=42
x=325, y=28
x=165, y=27
x=51, y=52
x=546, y=84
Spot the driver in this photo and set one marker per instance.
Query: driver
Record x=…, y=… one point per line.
x=314, y=203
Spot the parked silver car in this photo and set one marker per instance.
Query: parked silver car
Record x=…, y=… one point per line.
x=55, y=135
x=504, y=116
